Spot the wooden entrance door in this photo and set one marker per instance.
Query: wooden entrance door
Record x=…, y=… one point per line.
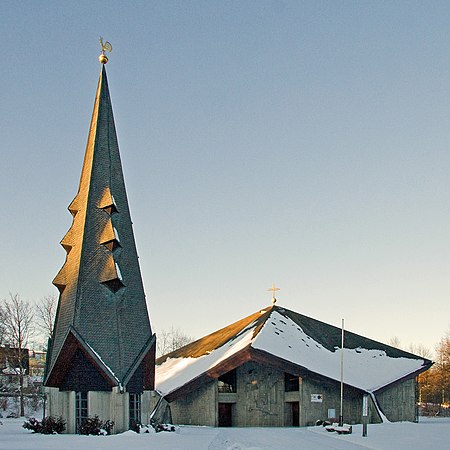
x=225, y=415
x=295, y=414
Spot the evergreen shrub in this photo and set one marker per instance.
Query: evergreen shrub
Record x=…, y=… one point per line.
x=95, y=426
x=48, y=425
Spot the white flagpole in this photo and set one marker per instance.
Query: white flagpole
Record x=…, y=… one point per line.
x=341, y=417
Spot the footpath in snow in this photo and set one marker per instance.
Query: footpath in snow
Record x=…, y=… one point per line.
x=432, y=433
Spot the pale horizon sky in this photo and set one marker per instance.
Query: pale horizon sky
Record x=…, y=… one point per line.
x=305, y=143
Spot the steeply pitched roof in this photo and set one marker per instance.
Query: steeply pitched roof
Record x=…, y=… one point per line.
x=101, y=292
x=298, y=342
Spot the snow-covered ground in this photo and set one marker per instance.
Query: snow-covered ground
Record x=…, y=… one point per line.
x=431, y=434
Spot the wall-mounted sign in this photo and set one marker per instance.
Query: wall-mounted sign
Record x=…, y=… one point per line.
x=316, y=398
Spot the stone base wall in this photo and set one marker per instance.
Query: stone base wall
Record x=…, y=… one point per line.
x=111, y=405
x=62, y=404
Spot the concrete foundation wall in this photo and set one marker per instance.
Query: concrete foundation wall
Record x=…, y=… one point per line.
x=118, y=409
x=398, y=402
x=62, y=404
x=260, y=400
x=259, y=397
x=329, y=407
x=197, y=408
x=149, y=400
x=99, y=404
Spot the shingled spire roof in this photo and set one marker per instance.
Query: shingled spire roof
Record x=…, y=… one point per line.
x=102, y=314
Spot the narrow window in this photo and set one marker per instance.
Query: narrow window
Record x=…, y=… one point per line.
x=291, y=382
x=227, y=382
x=81, y=408
x=135, y=410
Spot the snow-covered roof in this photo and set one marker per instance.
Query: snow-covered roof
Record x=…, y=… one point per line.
x=312, y=345
x=11, y=371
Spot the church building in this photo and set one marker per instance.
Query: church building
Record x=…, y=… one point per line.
x=101, y=358
x=280, y=368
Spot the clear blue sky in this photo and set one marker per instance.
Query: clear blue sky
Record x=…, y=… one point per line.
x=301, y=143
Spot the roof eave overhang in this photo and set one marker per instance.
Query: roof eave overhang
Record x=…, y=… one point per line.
x=408, y=376
x=212, y=373
x=247, y=354
x=265, y=358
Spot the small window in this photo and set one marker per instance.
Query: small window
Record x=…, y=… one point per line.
x=135, y=410
x=227, y=382
x=291, y=383
x=112, y=245
x=114, y=285
x=110, y=209
x=81, y=408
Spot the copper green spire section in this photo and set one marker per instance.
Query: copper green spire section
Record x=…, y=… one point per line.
x=102, y=301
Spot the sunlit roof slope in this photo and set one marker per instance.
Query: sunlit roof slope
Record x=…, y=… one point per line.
x=283, y=337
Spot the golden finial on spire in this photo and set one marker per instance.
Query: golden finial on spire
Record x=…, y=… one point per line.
x=273, y=289
x=105, y=47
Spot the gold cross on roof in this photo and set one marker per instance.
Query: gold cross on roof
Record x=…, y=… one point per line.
x=273, y=289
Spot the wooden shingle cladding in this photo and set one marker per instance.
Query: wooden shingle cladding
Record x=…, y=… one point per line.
x=102, y=297
x=141, y=375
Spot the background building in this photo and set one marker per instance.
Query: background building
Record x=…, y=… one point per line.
x=11, y=367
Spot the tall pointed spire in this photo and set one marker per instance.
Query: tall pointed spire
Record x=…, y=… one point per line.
x=102, y=309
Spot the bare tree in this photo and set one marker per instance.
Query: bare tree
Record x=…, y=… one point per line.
x=45, y=314
x=18, y=324
x=171, y=340
x=442, y=367
x=2, y=325
x=420, y=350
x=394, y=342
x=416, y=349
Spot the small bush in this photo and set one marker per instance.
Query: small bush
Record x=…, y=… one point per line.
x=48, y=425
x=135, y=426
x=163, y=427
x=51, y=425
x=95, y=426
x=32, y=424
